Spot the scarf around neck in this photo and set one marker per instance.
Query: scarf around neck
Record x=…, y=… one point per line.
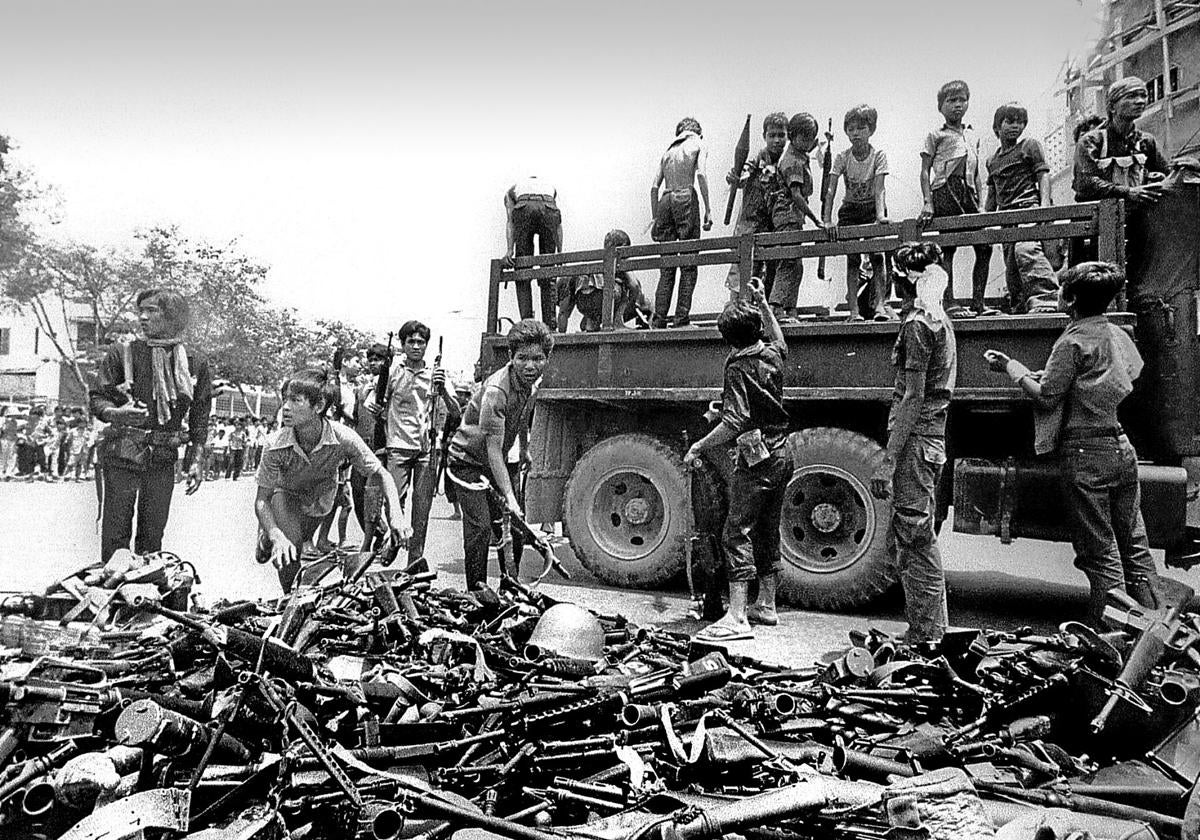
x=171, y=374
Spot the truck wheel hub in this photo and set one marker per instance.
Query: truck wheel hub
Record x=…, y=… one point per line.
x=637, y=511
x=826, y=518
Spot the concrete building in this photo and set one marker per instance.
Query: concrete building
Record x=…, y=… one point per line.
x=31, y=368
x=1157, y=40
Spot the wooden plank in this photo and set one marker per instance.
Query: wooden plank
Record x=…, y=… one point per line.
x=1110, y=233
x=493, y=304
x=1004, y=218
x=552, y=272
x=676, y=260
x=745, y=264
x=558, y=259
x=610, y=288
x=1005, y=393
x=990, y=236
x=678, y=246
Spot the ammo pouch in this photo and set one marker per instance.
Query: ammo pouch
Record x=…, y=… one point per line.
x=131, y=448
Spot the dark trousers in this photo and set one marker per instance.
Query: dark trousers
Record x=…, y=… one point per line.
x=358, y=489
x=912, y=540
x=1108, y=534
x=536, y=219
x=233, y=468
x=148, y=493
x=751, y=533
x=413, y=473
x=864, y=214
x=677, y=218
x=479, y=511
x=956, y=198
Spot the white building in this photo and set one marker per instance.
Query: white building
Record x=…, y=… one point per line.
x=31, y=367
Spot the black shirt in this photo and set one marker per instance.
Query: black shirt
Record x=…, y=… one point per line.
x=752, y=397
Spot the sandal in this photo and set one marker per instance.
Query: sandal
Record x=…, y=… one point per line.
x=718, y=632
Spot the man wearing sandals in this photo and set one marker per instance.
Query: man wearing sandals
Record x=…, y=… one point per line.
x=754, y=419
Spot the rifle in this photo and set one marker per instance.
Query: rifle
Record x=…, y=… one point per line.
x=826, y=166
x=339, y=408
x=740, y=153
x=436, y=393
x=379, y=440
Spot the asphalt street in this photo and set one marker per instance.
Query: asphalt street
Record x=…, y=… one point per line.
x=49, y=530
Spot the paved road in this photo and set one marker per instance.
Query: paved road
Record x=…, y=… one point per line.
x=48, y=531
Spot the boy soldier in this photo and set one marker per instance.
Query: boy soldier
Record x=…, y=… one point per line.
x=531, y=209
x=752, y=414
x=792, y=187
x=365, y=420
x=755, y=215
x=926, y=362
x=677, y=215
x=412, y=387
x=864, y=169
x=952, y=184
x=496, y=418
x=585, y=292
x=1091, y=369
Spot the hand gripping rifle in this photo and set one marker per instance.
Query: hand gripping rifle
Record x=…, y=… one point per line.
x=740, y=153
x=381, y=385
x=435, y=393
x=826, y=166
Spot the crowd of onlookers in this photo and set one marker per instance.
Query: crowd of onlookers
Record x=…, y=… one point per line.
x=46, y=444
x=235, y=445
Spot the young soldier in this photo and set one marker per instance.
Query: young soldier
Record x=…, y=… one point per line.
x=864, y=168
x=755, y=215
x=298, y=476
x=1090, y=371
x=752, y=414
x=531, y=209
x=925, y=360
x=1019, y=177
x=792, y=187
x=952, y=185
x=677, y=215
x=496, y=418
x=586, y=293
x=412, y=387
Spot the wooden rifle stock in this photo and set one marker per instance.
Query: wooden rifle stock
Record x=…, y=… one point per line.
x=826, y=167
x=740, y=153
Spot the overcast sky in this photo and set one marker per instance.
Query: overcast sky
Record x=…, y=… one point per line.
x=361, y=149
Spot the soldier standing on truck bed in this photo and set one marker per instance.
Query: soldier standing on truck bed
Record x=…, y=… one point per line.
x=676, y=215
x=926, y=368
x=531, y=208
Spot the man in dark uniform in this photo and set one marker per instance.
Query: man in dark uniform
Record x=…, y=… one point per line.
x=146, y=389
x=531, y=205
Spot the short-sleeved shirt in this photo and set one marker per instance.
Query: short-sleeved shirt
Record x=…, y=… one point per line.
x=409, y=393
x=952, y=151
x=1090, y=371
x=313, y=476
x=1107, y=164
x=500, y=409
x=1013, y=175
x=752, y=396
x=859, y=174
x=926, y=342
x=754, y=194
x=793, y=170
x=682, y=160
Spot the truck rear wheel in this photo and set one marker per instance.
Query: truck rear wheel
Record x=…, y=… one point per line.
x=833, y=533
x=625, y=513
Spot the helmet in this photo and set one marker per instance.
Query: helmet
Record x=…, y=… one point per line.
x=567, y=630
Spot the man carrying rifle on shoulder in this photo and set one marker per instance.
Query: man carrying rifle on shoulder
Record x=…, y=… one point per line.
x=412, y=387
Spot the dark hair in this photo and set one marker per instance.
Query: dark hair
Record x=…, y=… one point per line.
x=616, y=238
x=1091, y=286
x=413, y=328
x=688, y=124
x=802, y=125
x=917, y=256
x=317, y=385
x=740, y=323
x=1012, y=111
x=530, y=331
x=861, y=115
x=174, y=308
x=378, y=350
x=777, y=119
x=1086, y=124
x=950, y=88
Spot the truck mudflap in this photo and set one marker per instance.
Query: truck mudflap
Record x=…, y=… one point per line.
x=1023, y=498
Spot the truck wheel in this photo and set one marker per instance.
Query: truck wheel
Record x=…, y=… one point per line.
x=833, y=531
x=625, y=513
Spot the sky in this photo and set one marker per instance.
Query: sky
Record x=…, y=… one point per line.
x=362, y=149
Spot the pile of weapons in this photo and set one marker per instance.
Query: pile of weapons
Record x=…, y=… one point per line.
x=376, y=705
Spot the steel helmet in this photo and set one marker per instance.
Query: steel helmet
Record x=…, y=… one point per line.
x=567, y=630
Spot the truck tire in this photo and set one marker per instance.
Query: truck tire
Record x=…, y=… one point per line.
x=833, y=533
x=624, y=511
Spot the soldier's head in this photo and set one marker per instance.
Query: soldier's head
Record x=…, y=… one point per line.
x=775, y=131
x=616, y=238
x=529, y=347
x=162, y=313
x=802, y=131
x=414, y=340
x=376, y=355
x=689, y=124
x=1088, y=288
x=860, y=123
x=1127, y=99
x=1009, y=121
x=308, y=395
x=740, y=324
x=910, y=262
x=952, y=99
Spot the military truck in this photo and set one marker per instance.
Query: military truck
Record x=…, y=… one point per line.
x=616, y=406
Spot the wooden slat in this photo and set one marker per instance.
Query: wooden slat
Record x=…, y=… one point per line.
x=553, y=271
x=558, y=259
x=610, y=288
x=992, y=236
x=974, y=221
x=791, y=394
x=493, y=304
x=723, y=257
x=679, y=246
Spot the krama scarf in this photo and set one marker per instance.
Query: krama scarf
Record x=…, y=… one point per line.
x=172, y=376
